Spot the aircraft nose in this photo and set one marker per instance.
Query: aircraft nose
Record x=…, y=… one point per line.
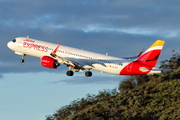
x=9, y=44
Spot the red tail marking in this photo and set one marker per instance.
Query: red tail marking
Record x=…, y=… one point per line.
x=150, y=58
x=146, y=61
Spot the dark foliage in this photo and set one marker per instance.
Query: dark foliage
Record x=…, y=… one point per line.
x=140, y=97
x=172, y=63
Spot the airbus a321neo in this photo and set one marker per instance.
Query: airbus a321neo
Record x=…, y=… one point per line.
x=52, y=55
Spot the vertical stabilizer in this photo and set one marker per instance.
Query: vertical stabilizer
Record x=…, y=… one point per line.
x=145, y=62
x=151, y=55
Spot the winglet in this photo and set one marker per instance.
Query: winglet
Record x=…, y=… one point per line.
x=135, y=57
x=53, y=54
x=140, y=53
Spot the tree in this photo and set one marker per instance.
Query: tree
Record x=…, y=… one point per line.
x=127, y=84
x=133, y=81
x=172, y=63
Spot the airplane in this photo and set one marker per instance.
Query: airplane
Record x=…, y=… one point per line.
x=77, y=60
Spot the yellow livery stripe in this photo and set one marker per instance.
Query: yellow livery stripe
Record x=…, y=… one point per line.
x=158, y=43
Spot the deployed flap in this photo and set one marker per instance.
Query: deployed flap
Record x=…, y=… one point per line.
x=80, y=63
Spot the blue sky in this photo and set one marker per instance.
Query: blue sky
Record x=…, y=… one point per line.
x=119, y=27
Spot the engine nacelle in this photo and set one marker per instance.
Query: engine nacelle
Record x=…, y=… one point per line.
x=49, y=62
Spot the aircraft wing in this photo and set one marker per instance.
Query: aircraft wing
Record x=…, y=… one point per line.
x=80, y=64
x=73, y=62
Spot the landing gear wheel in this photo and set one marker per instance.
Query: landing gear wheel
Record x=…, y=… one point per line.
x=70, y=73
x=88, y=73
x=22, y=60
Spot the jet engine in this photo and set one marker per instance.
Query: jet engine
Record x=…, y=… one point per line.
x=49, y=62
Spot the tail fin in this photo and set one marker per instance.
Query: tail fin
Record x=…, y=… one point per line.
x=151, y=55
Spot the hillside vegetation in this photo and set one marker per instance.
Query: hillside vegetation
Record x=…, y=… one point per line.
x=140, y=97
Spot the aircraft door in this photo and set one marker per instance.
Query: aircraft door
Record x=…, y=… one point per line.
x=129, y=67
x=23, y=45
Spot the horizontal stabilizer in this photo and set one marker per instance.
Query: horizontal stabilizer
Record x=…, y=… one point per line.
x=135, y=57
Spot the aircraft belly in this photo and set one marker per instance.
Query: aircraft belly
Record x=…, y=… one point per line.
x=20, y=51
x=107, y=68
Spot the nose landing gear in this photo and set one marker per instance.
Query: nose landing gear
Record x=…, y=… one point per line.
x=22, y=60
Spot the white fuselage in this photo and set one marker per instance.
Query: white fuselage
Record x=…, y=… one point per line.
x=89, y=60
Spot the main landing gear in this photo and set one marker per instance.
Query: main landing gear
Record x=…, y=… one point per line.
x=71, y=73
x=22, y=60
x=88, y=73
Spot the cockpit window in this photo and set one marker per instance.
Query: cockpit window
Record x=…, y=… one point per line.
x=14, y=40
